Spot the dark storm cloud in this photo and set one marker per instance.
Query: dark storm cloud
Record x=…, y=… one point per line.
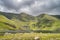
x=46, y=6
x=33, y=7
x=13, y=4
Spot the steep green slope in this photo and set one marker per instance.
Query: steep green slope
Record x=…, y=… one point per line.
x=25, y=17
x=24, y=21
x=21, y=21
x=22, y=16
x=47, y=22
x=5, y=24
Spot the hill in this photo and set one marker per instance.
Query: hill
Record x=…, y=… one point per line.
x=57, y=16
x=48, y=22
x=5, y=23
x=24, y=21
x=22, y=16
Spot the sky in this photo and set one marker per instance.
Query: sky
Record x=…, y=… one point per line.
x=32, y=7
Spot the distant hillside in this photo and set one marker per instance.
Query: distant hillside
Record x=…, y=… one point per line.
x=9, y=15
x=23, y=21
x=22, y=16
x=57, y=16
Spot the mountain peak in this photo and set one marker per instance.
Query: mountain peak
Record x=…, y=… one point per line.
x=23, y=13
x=42, y=15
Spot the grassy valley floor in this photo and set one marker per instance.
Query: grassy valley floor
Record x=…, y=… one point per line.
x=30, y=36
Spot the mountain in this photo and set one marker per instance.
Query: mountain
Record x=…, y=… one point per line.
x=22, y=16
x=46, y=16
x=5, y=23
x=47, y=22
x=25, y=17
x=23, y=21
x=57, y=16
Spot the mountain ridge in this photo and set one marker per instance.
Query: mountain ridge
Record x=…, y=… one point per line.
x=23, y=21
